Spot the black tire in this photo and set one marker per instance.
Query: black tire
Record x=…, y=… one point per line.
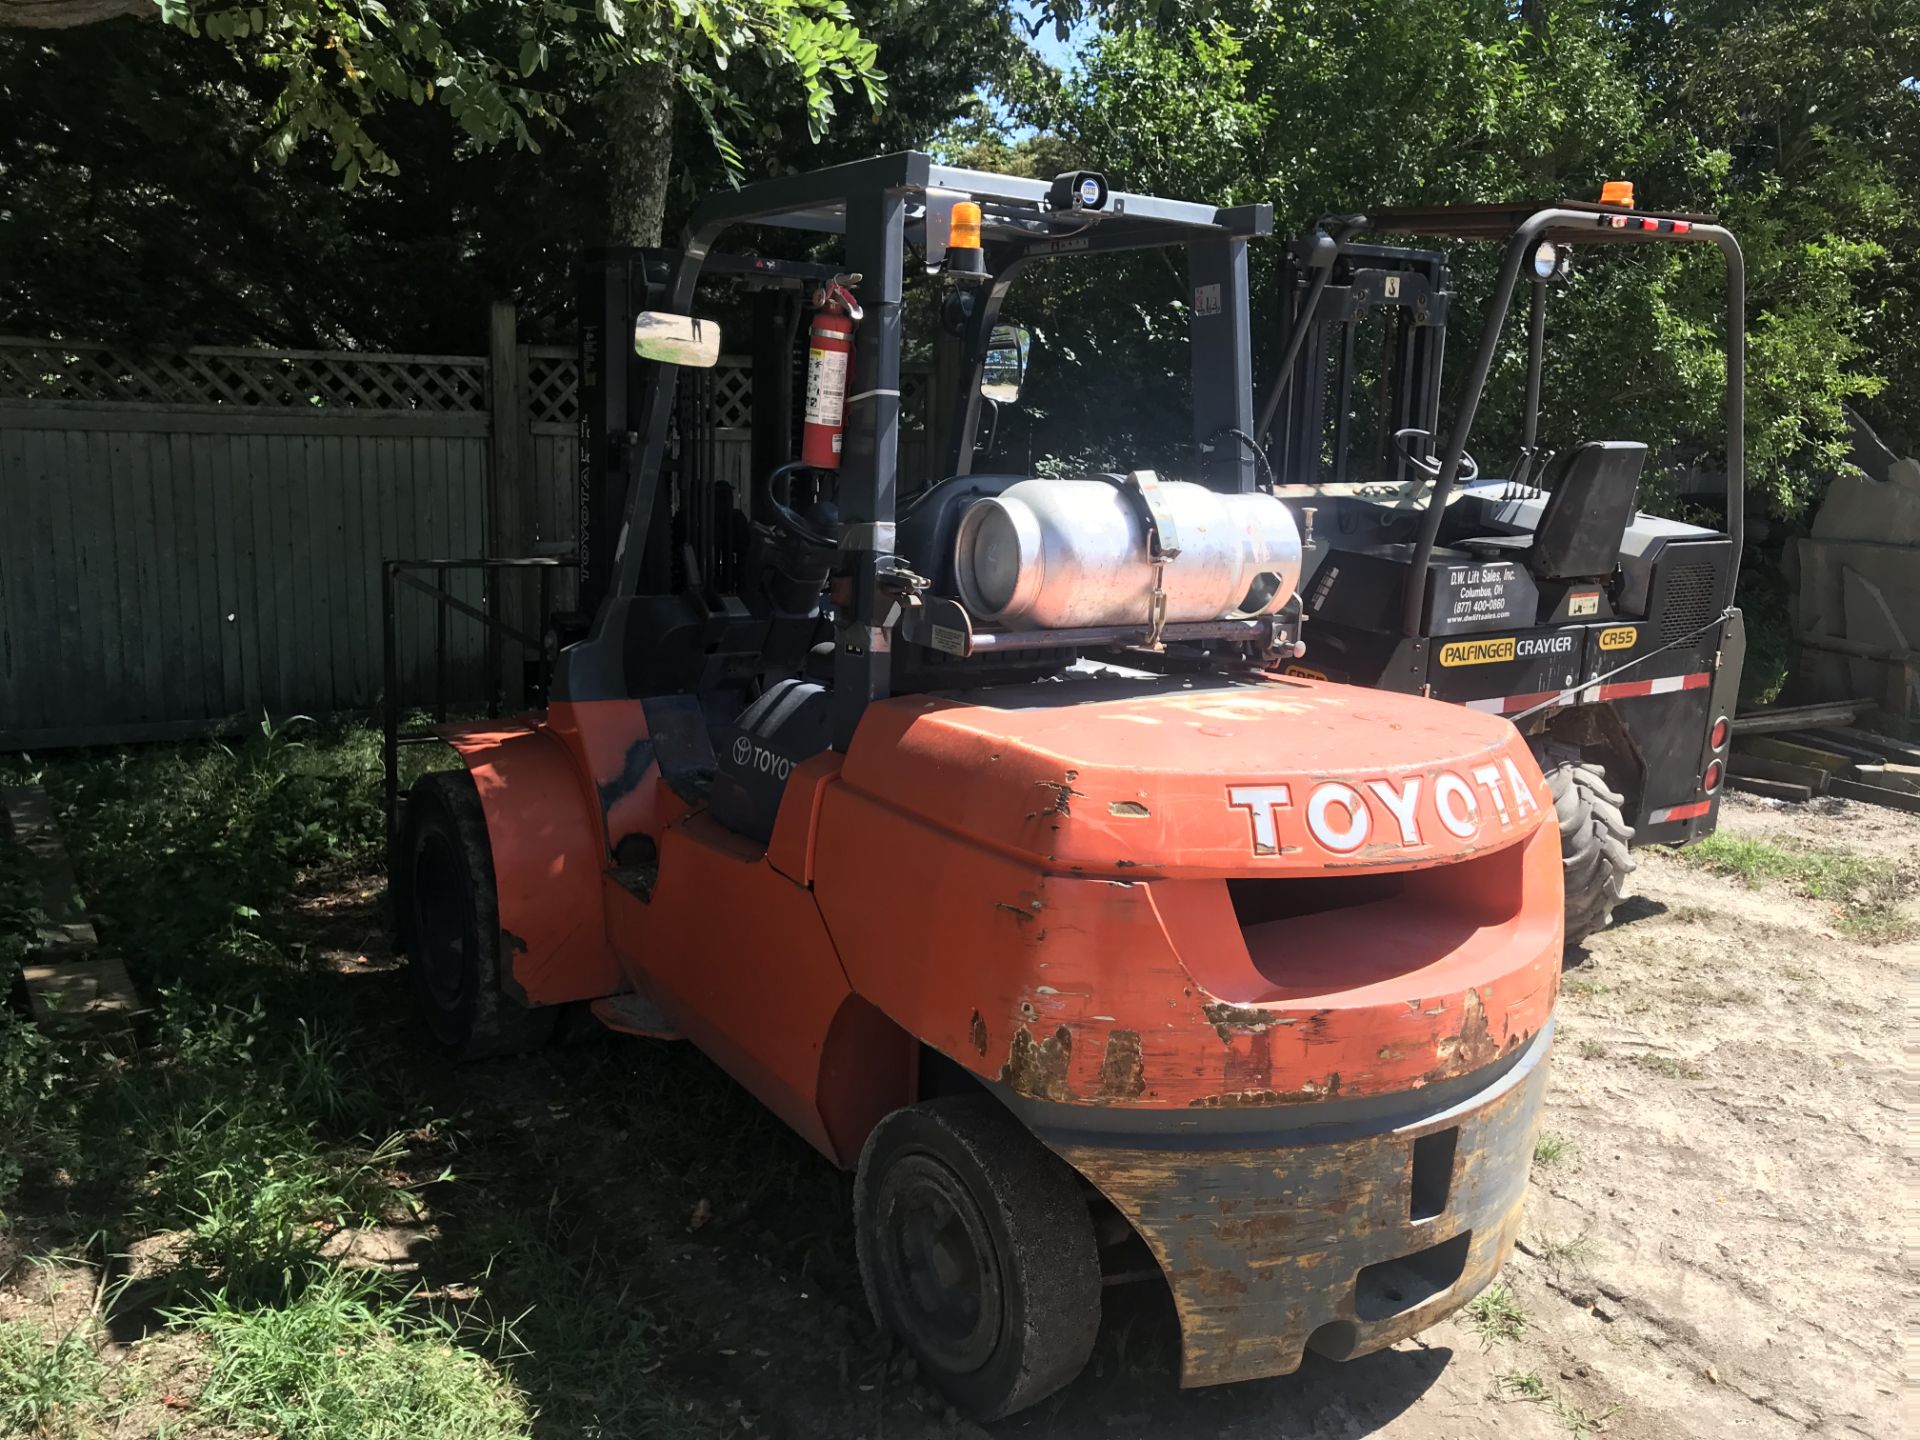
x=977, y=1251
x=1594, y=841
x=449, y=922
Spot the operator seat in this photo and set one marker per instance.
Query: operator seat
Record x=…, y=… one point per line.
x=1585, y=518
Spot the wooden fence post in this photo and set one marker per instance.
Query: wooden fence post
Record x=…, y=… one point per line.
x=510, y=509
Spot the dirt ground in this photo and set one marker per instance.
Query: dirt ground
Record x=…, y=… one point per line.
x=1714, y=1243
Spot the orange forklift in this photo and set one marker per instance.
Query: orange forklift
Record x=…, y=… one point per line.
x=976, y=831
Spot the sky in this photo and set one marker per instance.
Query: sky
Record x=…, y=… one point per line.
x=1052, y=50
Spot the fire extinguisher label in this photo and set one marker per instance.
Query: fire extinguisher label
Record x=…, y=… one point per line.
x=826, y=388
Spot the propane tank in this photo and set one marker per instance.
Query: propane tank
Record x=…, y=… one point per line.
x=1065, y=554
x=829, y=356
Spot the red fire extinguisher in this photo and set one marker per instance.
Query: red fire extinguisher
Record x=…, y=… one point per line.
x=829, y=356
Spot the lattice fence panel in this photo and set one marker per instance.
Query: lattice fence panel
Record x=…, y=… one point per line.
x=61, y=371
x=553, y=378
x=732, y=405
x=553, y=385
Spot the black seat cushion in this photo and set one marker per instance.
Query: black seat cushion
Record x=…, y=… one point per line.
x=1586, y=515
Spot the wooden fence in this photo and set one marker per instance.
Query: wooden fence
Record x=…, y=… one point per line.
x=193, y=538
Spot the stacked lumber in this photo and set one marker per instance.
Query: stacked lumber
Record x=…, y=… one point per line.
x=69, y=981
x=1797, y=752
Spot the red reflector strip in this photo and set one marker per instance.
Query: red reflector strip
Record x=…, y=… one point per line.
x=1680, y=812
x=1508, y=704
x=1633, y=689
x=1682, y=227
x=1649, y=224
x=1592, y=694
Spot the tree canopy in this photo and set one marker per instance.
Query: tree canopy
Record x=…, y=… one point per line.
x=181, y=177
x=1799, y=125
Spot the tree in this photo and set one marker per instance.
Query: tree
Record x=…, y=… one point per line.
x=136, y=198
x=340, y=63
x=1793, y=121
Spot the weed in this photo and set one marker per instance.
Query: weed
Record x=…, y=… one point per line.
x=342, y=1362
x=1591, y=1050
x=37, y=1105
x=1497, y=1314
x=1525, y=1387
x=1668, y=1065
x=533, y=1302
x=1572, y=1253
x=1550, y=1149
x=1578, y=1421
x=46, y=1388
x=1865, y=891
x=1878, y=925
x=1581, y=986
x=257, y=1198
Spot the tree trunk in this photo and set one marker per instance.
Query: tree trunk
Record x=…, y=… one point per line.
x=639, y=127
x=67, y=14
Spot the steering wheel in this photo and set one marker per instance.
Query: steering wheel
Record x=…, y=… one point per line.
x=1469, y=467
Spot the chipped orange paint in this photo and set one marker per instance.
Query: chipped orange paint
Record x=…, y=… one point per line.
x=1060, y=871
x=1456, y=965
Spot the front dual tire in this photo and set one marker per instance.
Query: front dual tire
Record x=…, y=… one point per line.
x=448, y=916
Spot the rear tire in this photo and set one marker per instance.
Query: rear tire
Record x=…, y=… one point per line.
x=977, y=1251
x=449, y=921
x=1594, y=841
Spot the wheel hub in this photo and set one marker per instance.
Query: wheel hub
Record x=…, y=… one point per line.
x=938, y=1261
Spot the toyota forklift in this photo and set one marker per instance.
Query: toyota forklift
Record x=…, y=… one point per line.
x=968, y=821
x=1541, y=592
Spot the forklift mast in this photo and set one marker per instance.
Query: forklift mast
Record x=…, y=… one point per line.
x=1406, y=295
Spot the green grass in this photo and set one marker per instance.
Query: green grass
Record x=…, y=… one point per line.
x=344, y=1363
x=1669, y=1066
x=1573, y=1253
x=261, y=1113
x=565, y=1328
x=1581, y=1422
x=1865, y=892
x=1496, y=1312
x=49, y=1385
x=1551, y=1149
x=1528, y=1386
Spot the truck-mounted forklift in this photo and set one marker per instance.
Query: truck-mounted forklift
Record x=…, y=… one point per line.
x=1608, y=635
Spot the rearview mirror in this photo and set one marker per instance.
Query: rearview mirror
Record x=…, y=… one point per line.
x=1006, y=368
x=676, y=339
